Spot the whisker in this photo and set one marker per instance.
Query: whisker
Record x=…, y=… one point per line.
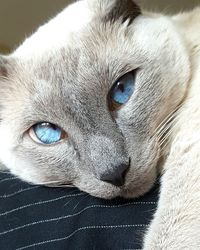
x=167, y=133
x=168, y=120
x=49, y=183
x=57, y=183
x=164, y=121
x=166, y=128
x=61, y=186
x=164, y=142
x=165, y=139
x=164, y=131
x=78, y=203
x=166, y=125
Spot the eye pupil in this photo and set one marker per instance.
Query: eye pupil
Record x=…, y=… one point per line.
x=121, y=91
x=54, y=127
x=121, y=87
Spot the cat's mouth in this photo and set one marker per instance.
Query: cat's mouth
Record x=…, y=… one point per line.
x=128, y=190
x=134, y=184
x=132, y=188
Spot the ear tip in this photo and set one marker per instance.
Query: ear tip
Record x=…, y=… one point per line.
x=112, y=10
x=127, y=9
x=3, y=68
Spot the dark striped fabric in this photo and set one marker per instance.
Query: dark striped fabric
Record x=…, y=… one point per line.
x=39, y=218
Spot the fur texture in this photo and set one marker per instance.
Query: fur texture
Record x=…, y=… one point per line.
x=62, y=74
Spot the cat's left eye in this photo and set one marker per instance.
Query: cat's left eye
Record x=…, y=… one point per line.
x=121, y=91
x=47, y=133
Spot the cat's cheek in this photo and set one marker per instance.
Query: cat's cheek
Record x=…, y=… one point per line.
x=7, y=144
x=144, y=168
x=23, y=169
x=139, y=184
x=26, y=172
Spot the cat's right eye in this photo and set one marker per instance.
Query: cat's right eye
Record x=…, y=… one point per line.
x=47, y=133
x=122, y=91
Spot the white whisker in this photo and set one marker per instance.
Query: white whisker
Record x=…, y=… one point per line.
x=166, y=120
x=61, y=186
x=164, y=142
x=58, y=183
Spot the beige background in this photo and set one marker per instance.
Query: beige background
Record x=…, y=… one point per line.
x=18, y=18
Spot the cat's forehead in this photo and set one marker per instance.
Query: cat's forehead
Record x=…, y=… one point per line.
x=76, y=56
x=98, y=53
x=81, y=45
x=95, y=54
x=80, y=26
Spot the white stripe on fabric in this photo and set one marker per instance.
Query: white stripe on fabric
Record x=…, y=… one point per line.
x=8, y=179
x=79, y=230
x=69, y=216
x=40, y=203
x=18, y=192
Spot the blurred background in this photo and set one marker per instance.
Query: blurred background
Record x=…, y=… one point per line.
x=19, y=18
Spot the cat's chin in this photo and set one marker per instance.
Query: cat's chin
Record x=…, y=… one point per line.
x=123, y=192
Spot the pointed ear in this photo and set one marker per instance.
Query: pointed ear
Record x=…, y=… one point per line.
x=3, y=67
x=113, y=10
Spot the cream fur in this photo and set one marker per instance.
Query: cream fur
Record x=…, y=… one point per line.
x=176, y=224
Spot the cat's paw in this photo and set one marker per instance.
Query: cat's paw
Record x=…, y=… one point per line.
x=173, y=229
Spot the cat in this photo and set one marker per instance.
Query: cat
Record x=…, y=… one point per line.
x=105, y=97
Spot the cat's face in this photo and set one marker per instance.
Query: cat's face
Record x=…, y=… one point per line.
x=64, y=75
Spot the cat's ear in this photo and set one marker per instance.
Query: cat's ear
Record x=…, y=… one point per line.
x=3, y=67
x=113, y=10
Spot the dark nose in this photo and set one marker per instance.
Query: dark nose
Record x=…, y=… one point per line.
x=116, y=177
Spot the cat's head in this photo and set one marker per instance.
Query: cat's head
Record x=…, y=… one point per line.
x=82, y=99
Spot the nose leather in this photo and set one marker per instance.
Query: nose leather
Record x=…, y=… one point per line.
x=116, y=177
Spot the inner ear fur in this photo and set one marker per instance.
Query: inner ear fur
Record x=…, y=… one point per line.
x=113, y=10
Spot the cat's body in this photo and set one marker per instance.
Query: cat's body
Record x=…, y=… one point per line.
x=63, y=75
x=176, y=224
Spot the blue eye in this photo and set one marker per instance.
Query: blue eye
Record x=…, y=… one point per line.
x=121, y=91
x=46, y=133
